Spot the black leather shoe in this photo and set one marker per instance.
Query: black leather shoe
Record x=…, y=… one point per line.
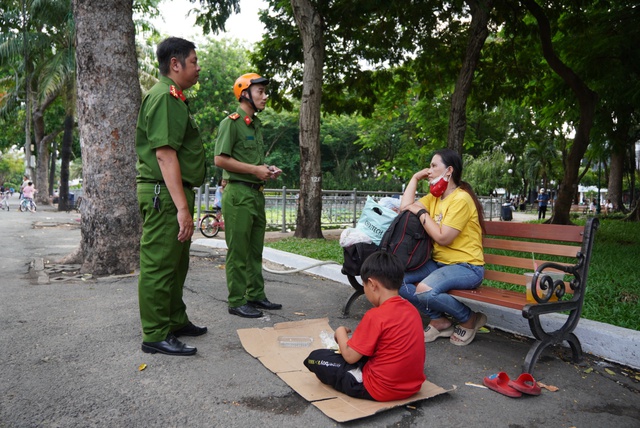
x=265, y=304
x=190, y=330
x=170, y=346
x=245, y=311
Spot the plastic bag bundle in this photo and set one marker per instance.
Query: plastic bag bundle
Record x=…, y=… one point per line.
x=375, y=220
x=351, y=236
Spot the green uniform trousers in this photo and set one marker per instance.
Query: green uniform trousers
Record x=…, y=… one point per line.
x=244, y=223
x=164, y=262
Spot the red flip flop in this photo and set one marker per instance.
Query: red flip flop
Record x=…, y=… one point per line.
x=525, y=384
x=499, y=382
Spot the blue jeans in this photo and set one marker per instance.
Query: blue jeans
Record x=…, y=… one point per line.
x=442, y=278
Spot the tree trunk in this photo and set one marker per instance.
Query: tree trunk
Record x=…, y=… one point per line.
x=43, y=143
x=587, y=100
x=616, y=173
x=52, y=168
x=478, y=33
x=310, y=201
x=108, y=99
x=65, y=158
x=41, y=180
x=65, y=150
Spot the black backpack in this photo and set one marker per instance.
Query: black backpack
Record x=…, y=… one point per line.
x=355, y=255
x=407, y=239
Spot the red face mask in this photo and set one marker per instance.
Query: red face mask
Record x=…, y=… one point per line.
x=438, y=185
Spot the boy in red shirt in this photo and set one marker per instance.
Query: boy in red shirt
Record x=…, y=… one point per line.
x=384, y=359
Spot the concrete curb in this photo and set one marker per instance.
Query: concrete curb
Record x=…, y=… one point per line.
x=616, y=344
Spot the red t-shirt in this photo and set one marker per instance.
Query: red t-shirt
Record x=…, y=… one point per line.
x=391, y=336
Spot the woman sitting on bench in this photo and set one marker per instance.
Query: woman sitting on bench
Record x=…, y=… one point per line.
x=453, y=217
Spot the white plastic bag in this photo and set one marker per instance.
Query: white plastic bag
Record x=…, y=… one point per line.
x=351, y=236
x=375, y=220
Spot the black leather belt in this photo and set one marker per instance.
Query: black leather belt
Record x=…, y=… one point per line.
x=255, y=186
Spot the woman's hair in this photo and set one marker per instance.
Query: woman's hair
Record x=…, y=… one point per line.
x=451, y=158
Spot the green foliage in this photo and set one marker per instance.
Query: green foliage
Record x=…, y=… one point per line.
x=11, y=166
x=212, y=99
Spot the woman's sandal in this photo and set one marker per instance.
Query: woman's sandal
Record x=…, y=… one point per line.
x=432, y=333
x=525, y=384
x=500, y=382
x=463, y=336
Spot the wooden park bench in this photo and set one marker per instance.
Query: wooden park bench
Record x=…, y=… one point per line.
x=510, y=251
x=579, y=209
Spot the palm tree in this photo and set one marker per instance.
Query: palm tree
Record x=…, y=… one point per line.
x=42, y=55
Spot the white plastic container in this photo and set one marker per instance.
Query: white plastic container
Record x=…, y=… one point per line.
x=295, y=341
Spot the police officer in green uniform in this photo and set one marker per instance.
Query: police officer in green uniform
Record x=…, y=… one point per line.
x=170, y=163
x=240, y=153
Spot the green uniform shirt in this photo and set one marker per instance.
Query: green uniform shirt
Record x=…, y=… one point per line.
x=240, y=137
x=165, y=120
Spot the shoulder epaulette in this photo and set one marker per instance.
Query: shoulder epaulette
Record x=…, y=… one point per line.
x=177, y=93
x=234, y=116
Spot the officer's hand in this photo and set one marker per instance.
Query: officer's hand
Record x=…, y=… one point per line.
x=263, y=172
x=275, y=172
x=185, y=221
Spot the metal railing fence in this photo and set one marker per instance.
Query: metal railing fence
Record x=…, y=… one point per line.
x=340, y=208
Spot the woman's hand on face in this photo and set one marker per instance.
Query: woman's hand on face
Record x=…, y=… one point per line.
x=422, y=174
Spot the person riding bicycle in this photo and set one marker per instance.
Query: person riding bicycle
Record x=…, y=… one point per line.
x=27, y=194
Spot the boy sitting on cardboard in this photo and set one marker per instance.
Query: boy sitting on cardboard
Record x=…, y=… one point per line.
x=384, y=359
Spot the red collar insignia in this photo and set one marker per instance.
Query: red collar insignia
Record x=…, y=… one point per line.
x=176, y=93
x=247, y=120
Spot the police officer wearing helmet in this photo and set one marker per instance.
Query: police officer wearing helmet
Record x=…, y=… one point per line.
x=240, y=153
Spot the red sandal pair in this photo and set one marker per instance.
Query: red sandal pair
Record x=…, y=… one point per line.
x=500, y=382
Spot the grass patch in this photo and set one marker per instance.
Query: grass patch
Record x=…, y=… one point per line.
x=613, y=287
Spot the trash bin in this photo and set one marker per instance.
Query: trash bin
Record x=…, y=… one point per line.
x=505, y=213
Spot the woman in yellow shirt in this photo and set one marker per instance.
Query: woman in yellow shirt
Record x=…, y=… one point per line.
x=453, y=217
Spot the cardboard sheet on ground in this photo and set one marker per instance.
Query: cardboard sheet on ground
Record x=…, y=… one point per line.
x=287, y=363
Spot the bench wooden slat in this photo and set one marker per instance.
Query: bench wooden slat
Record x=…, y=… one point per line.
x=517, y=262
x=513, y=278
x=495, y=296
x=531, y=247
x=552, y=232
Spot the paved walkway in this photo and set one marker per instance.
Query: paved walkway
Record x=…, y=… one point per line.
x=71, y=354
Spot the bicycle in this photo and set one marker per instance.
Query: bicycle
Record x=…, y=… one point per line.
x=27, y=204
x=211, y=223
x=4, y=202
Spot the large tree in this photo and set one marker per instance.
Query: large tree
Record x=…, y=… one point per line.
x=478, y=33
x=311, y=29
x=108, y=98
x=586, y=100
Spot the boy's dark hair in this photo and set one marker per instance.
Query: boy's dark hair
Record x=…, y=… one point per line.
x=384, y=267
x=173, y=47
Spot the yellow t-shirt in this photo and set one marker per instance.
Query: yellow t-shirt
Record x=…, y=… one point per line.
x=459, y=212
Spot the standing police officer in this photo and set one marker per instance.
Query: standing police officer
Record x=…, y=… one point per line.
x=240, y=153
x=170, y=164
